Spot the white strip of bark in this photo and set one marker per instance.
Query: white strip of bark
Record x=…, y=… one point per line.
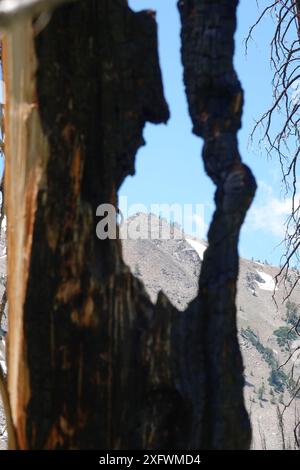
x=11, y=11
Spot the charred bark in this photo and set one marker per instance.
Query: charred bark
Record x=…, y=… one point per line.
x=215, y=98
x=92, y=362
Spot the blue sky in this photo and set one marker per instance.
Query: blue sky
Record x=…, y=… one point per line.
x=169, y=168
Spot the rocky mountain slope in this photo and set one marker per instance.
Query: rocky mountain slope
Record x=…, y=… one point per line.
x=173, y=266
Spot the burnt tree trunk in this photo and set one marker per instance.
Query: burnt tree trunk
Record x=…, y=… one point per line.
x=92, y=362
x=215, y=98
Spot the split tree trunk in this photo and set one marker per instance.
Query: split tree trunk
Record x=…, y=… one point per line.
x=92, y=362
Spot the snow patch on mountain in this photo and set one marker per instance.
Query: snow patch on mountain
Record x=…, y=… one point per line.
x=198, y=247
x=268, y=281
x=2, y=355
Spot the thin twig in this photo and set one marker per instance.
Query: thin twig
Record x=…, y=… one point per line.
x=11, y=434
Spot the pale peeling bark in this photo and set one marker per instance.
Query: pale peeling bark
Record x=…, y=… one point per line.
x=14, y=11
x=26, y=153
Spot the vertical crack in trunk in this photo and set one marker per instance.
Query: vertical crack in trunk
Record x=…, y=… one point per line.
x=215, y=99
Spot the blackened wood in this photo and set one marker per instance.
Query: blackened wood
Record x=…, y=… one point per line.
x=215, y=98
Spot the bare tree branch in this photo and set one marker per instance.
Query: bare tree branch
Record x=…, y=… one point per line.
x=283, y=140
x=12, y=441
